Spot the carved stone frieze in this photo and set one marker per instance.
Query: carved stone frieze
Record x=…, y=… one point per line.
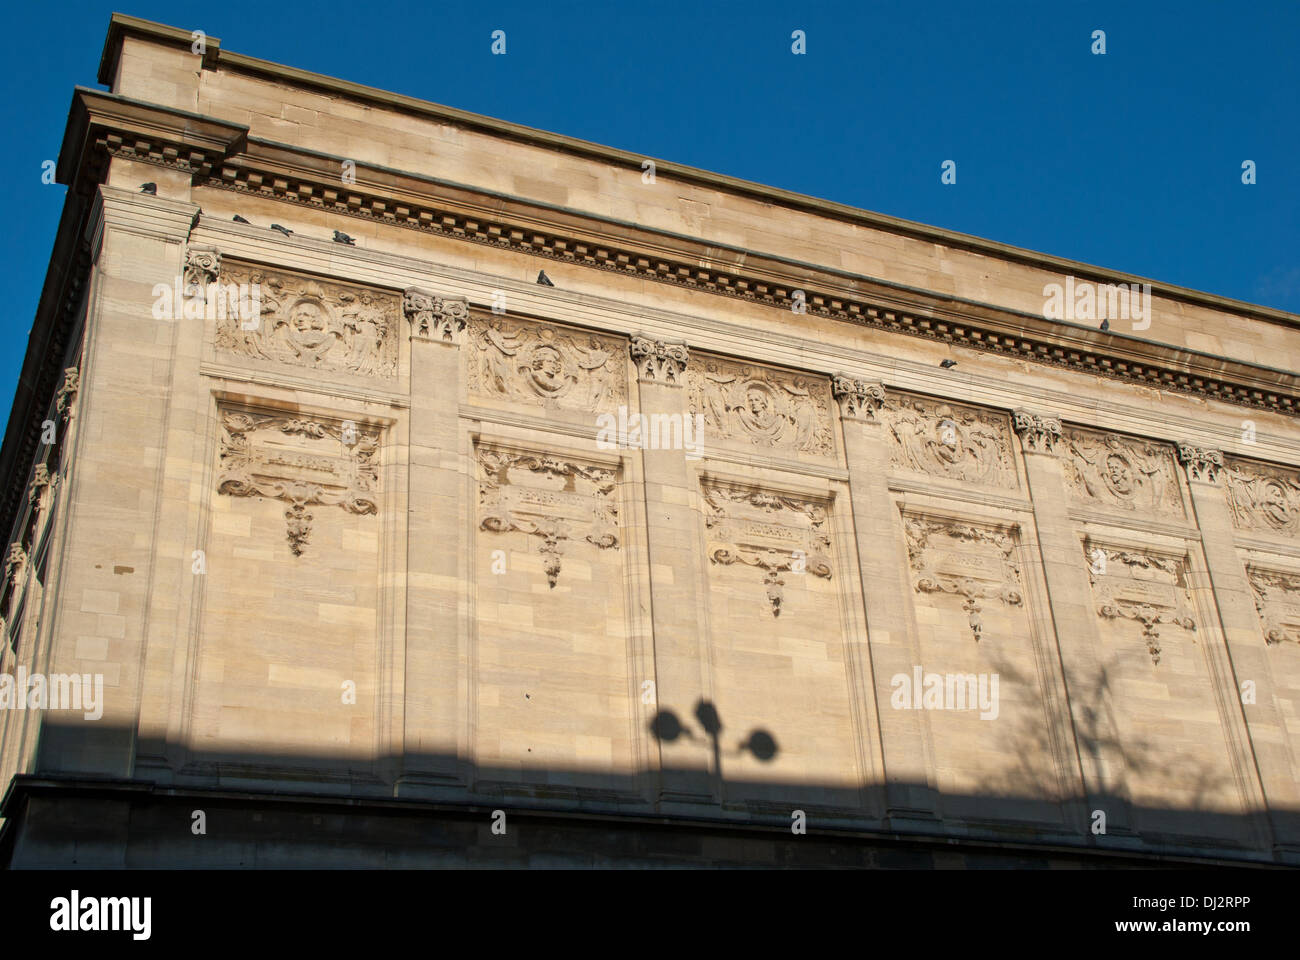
x=435, y=318
x=784, y=412
x=15, y=562
x=310, y=323
x=1141, y=586
x=545, y=364
x=40, y=480
x=778, y=533
x=1264, y=497
x=659, y=361
x=556, y=499
x=1202, y=464
x=1115, y=471
x=303, y=462
x=974, y=561
x=1277, y=599
x=1040, y=434
x=858, y=399
x=950, y=440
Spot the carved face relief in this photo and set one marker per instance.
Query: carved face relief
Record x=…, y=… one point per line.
x=309, y=323
x=1110, y=470
x=538, y=363
x=944, y=440
x=762, y=407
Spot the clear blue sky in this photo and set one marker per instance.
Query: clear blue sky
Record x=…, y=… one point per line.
x=1130, y=160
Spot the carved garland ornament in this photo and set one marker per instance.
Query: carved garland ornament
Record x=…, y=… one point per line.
x=1145, y=587
x=976, y=562
x=1039, y=434
x=775, y=532
x=553, y=498
x=303, y=462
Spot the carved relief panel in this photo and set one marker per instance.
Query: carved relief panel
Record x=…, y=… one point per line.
x=974, y=561
x=544, y=364
x=560, y=500
x=1277, y=599
x=309, y=323
x=765, y=409
x=950, y=440
x=1264, y=497
x=778, y=533
x=302, y=461
x=1109, y=470
x=1143, y=586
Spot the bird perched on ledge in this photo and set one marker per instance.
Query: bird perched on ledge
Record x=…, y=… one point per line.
x=285, y=230
x=149, y=188
x=948, y=364
x=341, y=237
x=543, y=279
x=238, y=219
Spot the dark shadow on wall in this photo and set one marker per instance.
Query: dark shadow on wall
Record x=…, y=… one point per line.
x=263, y=809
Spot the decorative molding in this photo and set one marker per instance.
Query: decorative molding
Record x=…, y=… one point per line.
x=1123, y=472
x=303, y=462
x=66, y=398
x=1009, y=337
x=201, y=268
x=785, y=412
x=545, y=364
x=554, y=498
x=1264, y=497
x=15, y=562
x=317, y=324
x=40, y=480
x=1142, y=586
x=1039, y=434
x=951, y=440
x=659, y=361
x=1202, y=465
x=974, y=561
x=1277, y=599
x=858, y=399
x=435, y=318
x=776, y=532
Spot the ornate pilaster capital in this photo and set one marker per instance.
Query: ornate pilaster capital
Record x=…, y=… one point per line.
x=1038, y=433
x=858, y=399
x=1202, y=464
x=659, y=361
x=201, y=267
x=441, y=319
x=14, y=563
x=39, y=482
x=67, y=394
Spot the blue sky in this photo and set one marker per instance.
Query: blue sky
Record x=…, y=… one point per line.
x=1130, y=160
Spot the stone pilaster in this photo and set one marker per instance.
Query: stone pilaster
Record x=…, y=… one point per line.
x=1256, y=733
x=910, y=789
x=1072, y=620
x=435, y=650
x=677, y=574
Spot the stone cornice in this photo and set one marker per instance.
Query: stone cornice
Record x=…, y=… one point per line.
x=217, y=59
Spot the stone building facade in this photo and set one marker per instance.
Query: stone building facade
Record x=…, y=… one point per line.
x=697, y=553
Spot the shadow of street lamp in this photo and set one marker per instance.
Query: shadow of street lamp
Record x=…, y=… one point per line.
x=666, y=727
